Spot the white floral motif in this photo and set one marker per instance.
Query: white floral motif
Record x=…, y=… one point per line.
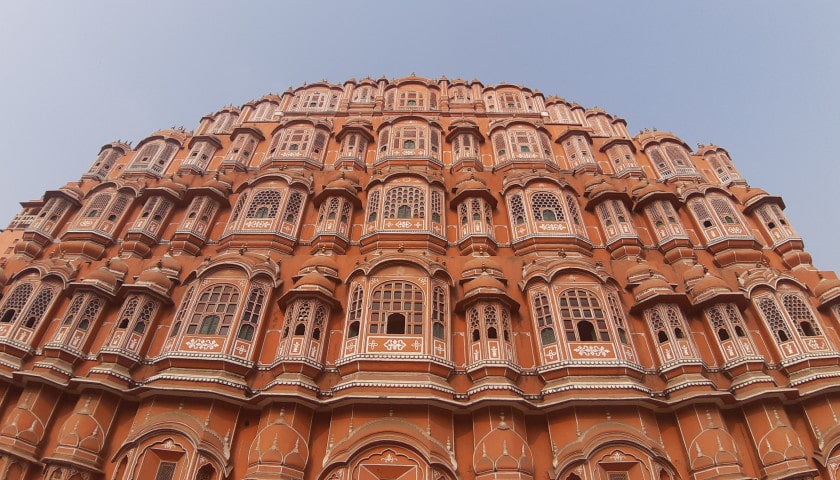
x=592, y=350
x=393, y=344
x=204, y=344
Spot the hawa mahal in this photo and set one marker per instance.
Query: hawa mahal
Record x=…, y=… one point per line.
x=414, y=279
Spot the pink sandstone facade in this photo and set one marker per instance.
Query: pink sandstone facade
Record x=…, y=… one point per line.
x=414, y=279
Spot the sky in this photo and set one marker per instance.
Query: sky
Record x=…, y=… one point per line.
x=759, y=78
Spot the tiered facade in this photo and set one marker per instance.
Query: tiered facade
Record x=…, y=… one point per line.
x=414, y=279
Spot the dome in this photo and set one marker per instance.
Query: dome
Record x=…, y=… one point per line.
x=651, y=287
x=155, y=279
x=118, y=265
x=827, y=289
x=711, y=282
x=645, y=189
x=279, y=444
x=172, y=185
x=72, y=190
x=477, y=266
x=642, y=271
x=326, y=261
x=169, y=265
x=601, y=186
x=484, y=283
x=503, y=450
x=694, y=274
x=314, y=279
x=103, y=277
x=342, y=183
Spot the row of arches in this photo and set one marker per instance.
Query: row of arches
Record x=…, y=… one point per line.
x=514, y=144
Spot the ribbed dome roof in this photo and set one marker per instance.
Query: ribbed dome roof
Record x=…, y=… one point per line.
x=315, y=279
x=155, y=279
x=652, y=286
x=484, y=283
x=104, y=277
x=320, y=261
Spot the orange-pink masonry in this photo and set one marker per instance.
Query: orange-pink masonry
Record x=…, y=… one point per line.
x=414, y=279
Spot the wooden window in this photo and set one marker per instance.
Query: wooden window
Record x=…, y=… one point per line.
x=396, y=308
x=214, y=310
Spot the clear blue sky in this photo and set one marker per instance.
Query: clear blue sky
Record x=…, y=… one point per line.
x=760, y=78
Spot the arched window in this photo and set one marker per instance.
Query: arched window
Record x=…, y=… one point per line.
x=438, y=312
x=545, y=320
x=83, y=311
x=582, y=316
x=405, y=202
x=214, y=310
x=15, y=302
x=251, y=314
x=546, y=207
x=396, y=307
x=154, y=157
x=668, y=327
x=354, y=312
x=265, y=204
x=801, y=315
x=104, y=162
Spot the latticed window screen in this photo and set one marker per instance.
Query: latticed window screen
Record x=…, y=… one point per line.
x=701, y=213
x=618, y=317
x=491, y=322
x=438, y=312
x=144, y=317
x=500, y=146
x=49, y=215
x=293, y=207
x=724, y=211
x=214, y=310
x=345, y=213
x=574, y=214
x=318, y=322
x=354, y=312
x=363, y=95
x=517, y=210
x=127, y=314
x=182, y=312
x=405, y=202
x=546, y=207
x=92, y=306
x=118, y=207
x=237, y=209
x=396, y=308
x=774, y=318
x=162, y=159
x=166, y=471
x=15, y=302
x=582, y=316
x=666, y=323
x=302, y=315
x=373, y=206
x=436, y=206
x=265, y=204
x=97, y=205
x=106, y=159
x=251, y=313
x=475, y=324
x=801, y=315
x=38, y=307
x=678, y=156
x=660, y=163
x=545, y=320
x=75, y=306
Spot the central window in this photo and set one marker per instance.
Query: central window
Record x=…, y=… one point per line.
x=396, y=309
x=214, y=311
